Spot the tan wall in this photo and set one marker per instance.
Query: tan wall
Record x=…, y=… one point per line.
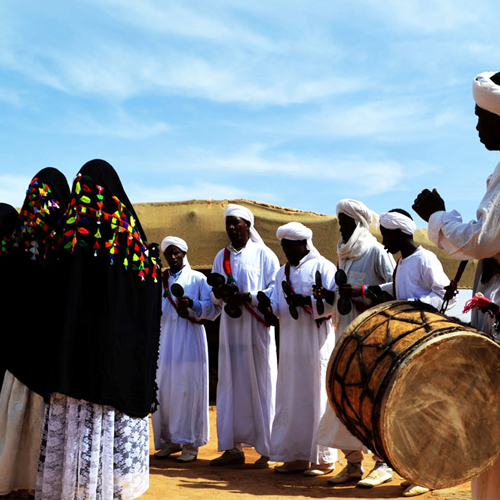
x=201, y=224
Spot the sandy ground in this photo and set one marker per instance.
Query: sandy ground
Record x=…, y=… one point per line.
x=197, y=480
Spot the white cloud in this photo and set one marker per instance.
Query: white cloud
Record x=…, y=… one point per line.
x=119, y=125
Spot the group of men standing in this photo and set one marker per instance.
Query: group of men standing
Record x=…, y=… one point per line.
x=284, y=413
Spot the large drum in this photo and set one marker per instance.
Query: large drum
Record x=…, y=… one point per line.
x=421, y=390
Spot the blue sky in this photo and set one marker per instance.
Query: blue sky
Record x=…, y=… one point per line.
x=296, y=103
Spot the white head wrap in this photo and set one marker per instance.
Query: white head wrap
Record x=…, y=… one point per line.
x=233, y=210
x=395, y=220
x=486, y=93
x=295, y=231
x=358, y=211
x=177, y=242
x=361, y=239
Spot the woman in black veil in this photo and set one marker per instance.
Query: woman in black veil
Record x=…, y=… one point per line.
x=27, y=296
x=104, y=348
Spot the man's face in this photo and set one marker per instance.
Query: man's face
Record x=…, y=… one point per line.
x=488, y=128
x=294, y=250
x=174, y=257
x=347, y=226
x=390, y=239
x=238, y=231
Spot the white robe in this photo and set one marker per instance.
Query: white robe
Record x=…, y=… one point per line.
x=420, y=276
x=375, y=267
x=478, y=239
x=305, y=350
x=21, y=421
x=182, y=377
x=247, y=356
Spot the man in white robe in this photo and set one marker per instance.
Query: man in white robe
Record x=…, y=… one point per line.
x=247, y=349
x=365, y=262
x=477, y=239
x=419, y=275
x=306, y=344
x=181, y=421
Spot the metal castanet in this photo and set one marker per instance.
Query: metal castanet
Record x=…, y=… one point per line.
x=227, y=290
x=178, y=291
x=287, y=290
x=215, y=279
x=266, y=309
x=318, y=286
x=344, y=305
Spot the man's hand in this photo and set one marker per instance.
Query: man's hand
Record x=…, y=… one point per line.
x=217, y=290
x=427, y=203
x=184, y=302
x=349, y=290
x=298, y=300
x=238, y=299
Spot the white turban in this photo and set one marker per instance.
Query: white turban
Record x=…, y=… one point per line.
x=395, y=220
x=486, y=93
x=358, y=211
x=176, y=242
x=233, y=210
x=361, y=240
x=295, y=231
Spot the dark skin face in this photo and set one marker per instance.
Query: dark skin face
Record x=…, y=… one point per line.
x=488, y=129
x=396, y=241
x=174, y=257
x=347, y=226
x=238, y=231
x=294, y=251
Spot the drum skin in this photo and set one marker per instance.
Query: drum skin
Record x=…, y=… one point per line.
x=421, y=390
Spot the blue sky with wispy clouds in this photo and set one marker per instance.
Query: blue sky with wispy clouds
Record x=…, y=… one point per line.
x=296, y=103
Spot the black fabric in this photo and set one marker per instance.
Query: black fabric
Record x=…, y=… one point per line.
x=105, y=347
x=8, y=218
x=31, y=288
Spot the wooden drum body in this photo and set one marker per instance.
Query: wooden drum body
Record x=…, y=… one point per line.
x=420, y=390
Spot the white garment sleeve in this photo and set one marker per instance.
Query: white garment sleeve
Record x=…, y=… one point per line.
x=477, y=239
x=434, y=280
x=209, y=309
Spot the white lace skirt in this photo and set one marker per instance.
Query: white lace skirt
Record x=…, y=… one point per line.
x=91, y=452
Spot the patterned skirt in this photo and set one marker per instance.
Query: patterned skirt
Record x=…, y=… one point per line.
x=91, y=452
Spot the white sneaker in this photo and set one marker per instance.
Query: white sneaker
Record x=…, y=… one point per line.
x=378, y=476
x=414, y=489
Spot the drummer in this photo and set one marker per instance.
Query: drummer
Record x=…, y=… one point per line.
x=181, y=421
x=477, y=239
x=365, y=262
x=419, y=274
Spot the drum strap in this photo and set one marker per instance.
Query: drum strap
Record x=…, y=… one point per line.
x=226, y=264
x=394, y=278
x=168, y=295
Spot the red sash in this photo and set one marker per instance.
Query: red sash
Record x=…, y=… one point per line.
x=307, y=309
x=167, y=294
x=226, y=264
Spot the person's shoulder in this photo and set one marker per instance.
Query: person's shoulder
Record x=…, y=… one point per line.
x=197, y=275
x=425, y=254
